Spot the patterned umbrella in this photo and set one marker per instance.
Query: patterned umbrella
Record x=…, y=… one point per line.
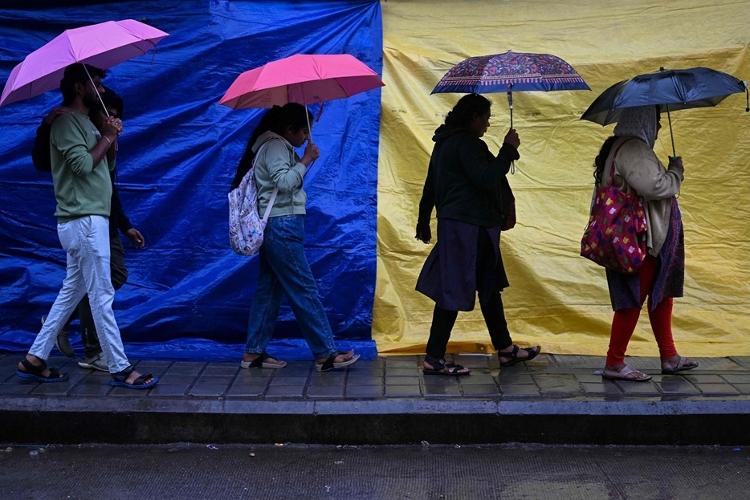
x=508, y=72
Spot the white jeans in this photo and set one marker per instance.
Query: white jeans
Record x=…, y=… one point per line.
x=86, y=241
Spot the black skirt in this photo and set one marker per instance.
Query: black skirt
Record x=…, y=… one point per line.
x=465, y=260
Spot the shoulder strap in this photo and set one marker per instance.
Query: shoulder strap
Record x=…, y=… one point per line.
x=275, y=191
x=614, y=158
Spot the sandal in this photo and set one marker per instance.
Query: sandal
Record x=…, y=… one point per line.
x=263, y=360
x=682, y=365
x=440, y=367
x=120, y=379
x=331, y=364
x=513, y=355
x=34, y=372
x=627, y=373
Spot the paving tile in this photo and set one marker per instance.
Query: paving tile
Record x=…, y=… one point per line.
x=704, y=379
x=402, y=391
x=364, y=391
x=220, y=369
x=523, y=390
x=168, y=390
x=188, y=368
x=588, y=378
x=508, y=377
x=206, y=390
x=436, y=390
x=736, y=378
x=401, y=380
x=638, y=388
x=472, y=361
x=90, y=388
x=175, y=379
x=226, y=380
x=607, y=388
x=478, y=390
x=53, y=389
x=325, y=392
x=677, y=386
x=568, y=361
x=401, y=362
x=440, y=380
x=295, y=369
x=741, y=360
x=743, y=388
x=717, y=389
x=284, y=391
x=364, y=378
x=245, y=391
x=477, y=379
x=123, y=392
x=716, y=364
x=643, y=363
x=557, y=383
x=300, y=381
x=403, y=372
x=18, y=389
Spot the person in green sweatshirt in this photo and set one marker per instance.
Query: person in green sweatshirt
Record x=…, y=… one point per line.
x=83, y=190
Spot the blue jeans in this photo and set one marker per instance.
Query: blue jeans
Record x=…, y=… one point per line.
x=284, y=270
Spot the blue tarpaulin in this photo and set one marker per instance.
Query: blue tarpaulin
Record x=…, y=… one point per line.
x=188, y=294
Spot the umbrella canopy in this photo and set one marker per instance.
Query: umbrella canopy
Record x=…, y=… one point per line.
x=102, y=45
x=301, y=78
x=511, y=71
x=670, y=90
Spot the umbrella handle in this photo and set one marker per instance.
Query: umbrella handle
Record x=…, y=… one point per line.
x=510, y=104
x=106, y=111
x=671, y=135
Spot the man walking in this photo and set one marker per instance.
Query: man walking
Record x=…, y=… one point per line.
x=83, y=191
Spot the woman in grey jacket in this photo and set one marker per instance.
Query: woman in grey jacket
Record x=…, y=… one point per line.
x=283, y=265
x=629, y=153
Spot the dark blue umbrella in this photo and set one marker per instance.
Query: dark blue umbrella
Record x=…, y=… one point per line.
x=669, y=89
x=510, y=71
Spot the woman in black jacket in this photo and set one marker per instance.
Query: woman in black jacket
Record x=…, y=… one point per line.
x=465, y=182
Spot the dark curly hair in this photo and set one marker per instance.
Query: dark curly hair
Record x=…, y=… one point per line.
x=466, y=109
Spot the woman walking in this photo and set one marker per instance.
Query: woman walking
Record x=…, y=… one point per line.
x=628, y=160
x=465, y=182
x=284, y=269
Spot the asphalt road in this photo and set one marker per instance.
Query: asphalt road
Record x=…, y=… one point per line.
x=302, y=471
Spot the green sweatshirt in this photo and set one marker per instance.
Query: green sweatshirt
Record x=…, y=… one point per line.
x=81, y=188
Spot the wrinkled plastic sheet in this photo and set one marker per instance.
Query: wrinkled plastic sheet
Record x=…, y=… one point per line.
x=557, y=298
x=187, y=293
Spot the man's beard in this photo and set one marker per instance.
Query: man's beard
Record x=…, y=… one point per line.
x=90, y=100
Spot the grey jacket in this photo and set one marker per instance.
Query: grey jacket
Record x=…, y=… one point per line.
x=638, y=167
x=278, y=166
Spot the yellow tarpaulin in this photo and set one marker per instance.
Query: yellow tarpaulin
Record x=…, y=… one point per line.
x=557, y=298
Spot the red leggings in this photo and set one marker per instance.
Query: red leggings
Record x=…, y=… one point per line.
x=625, y=321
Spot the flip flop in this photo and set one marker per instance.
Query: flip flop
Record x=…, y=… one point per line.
x=331, y=364
x=627, y=373
x=263, y=361
x=683, y=364
x=119, y=379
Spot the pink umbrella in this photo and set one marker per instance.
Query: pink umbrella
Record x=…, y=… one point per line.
x=102, y=45
x=302, y=78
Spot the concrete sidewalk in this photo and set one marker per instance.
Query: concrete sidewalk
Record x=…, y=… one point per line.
x=552, y=399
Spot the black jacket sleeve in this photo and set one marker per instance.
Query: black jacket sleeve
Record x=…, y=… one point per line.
x=118, y=218
x=485, y=171
x=40, y=153
x=427, y=203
